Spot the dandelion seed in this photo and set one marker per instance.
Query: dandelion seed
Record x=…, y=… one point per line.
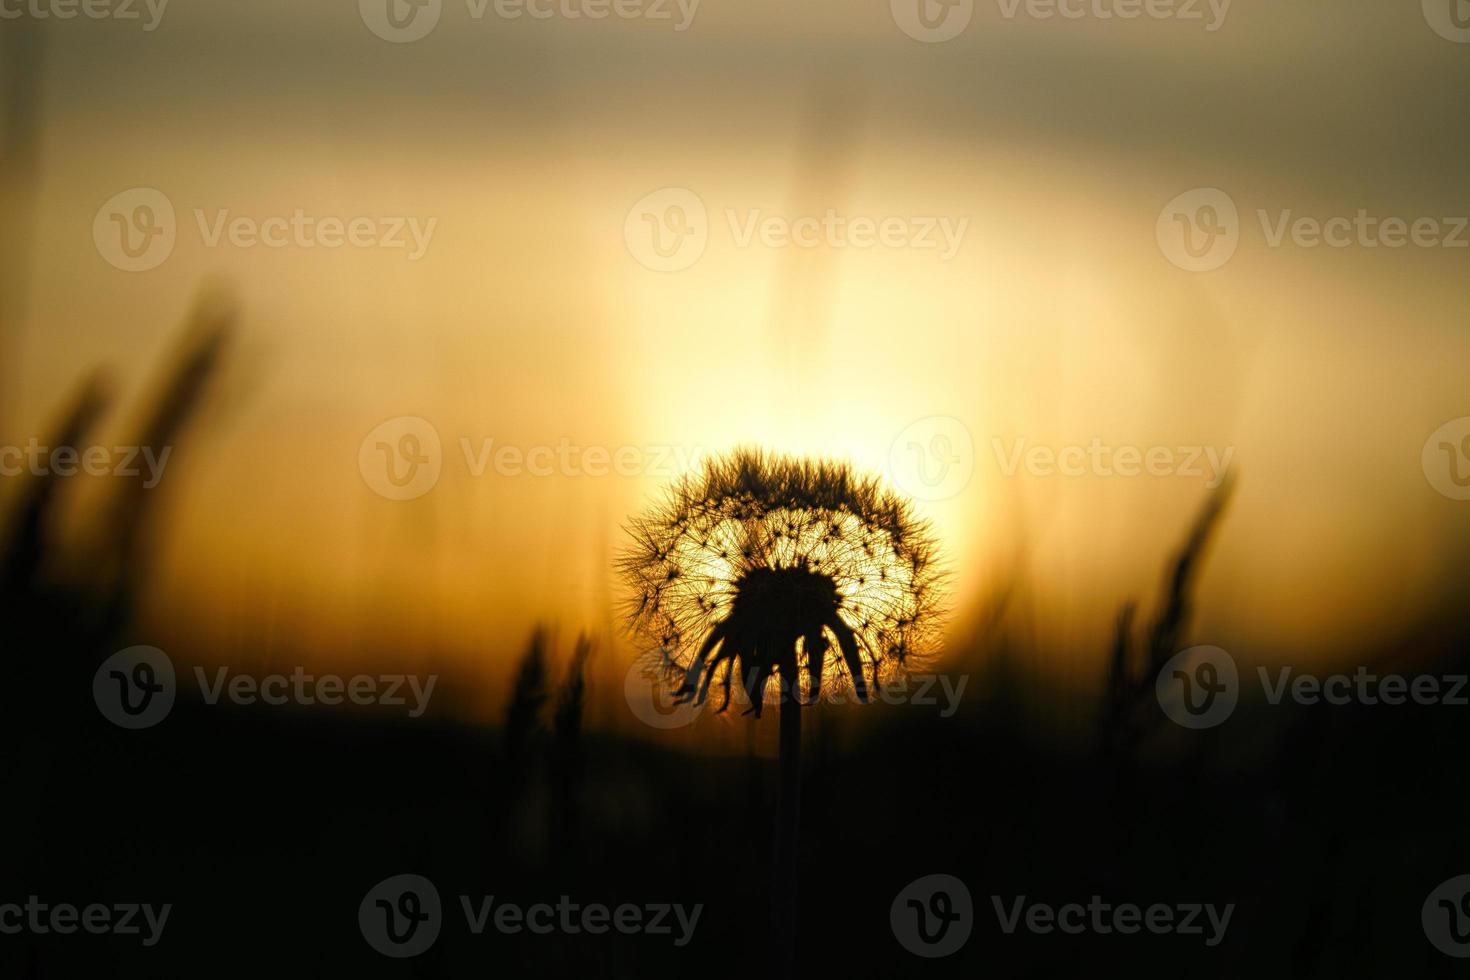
x=770, y=567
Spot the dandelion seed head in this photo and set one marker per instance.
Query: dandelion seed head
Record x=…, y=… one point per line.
x=761, y=565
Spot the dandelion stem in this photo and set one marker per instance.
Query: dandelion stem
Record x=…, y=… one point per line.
x=788, y=821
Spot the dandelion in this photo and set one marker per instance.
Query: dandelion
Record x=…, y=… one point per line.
x=762, y=566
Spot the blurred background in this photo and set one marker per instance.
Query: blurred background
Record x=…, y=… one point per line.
x=535, y=170
x=528, y=320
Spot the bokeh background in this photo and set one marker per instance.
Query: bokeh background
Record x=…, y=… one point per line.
x=542, y=315
x=530, y=320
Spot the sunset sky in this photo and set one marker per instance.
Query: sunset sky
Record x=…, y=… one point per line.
x=525, y=153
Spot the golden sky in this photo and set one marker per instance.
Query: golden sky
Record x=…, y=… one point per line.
x=1048, y=148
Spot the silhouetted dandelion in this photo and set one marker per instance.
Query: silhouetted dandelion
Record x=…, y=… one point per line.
x=762, y=566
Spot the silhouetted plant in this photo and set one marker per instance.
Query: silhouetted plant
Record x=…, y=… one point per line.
x=1127, y=710
x=568, y=756
x=527, y=698
x=122, y=557
x=571, y=700
x=764, y=566
x=81, y=597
